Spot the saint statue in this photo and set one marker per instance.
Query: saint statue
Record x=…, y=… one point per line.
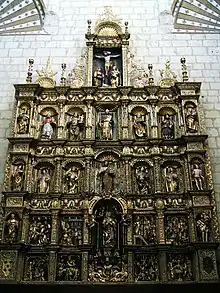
x=98, y=77
x=114, y=76
x=75, y=126
x=72, y=179
x=12, y=226
x=107, y=176
x=44, y=181
x=17, y=177
x=191, y=119
x=198, y=177
x=142, y=178
x=107, y=56
x=109, y=230
x=171, y=180
x=48, y=126
x=139, y=126
x=23, y=121
x=167, y=127
x=106, y=126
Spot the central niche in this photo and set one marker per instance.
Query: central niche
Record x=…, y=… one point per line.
x=107, y=67
x=107, y=230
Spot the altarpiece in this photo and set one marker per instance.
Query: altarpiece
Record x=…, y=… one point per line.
x=108, y=175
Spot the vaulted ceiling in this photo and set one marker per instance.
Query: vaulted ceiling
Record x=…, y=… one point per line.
x=21, y=16
x=197, y=16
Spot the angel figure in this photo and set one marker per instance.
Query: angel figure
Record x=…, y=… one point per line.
x=72, y=179
x=75, y=126
x=48, y=126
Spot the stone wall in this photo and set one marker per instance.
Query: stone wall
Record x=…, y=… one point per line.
x=152, y=41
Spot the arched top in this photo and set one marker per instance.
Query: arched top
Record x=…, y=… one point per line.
x=21, y=16
x=196, y=16
x=108, y=29
x=97, y=199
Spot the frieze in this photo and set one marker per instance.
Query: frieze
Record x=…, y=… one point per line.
x=20, y=148
x=14, y=202
x=201, y=200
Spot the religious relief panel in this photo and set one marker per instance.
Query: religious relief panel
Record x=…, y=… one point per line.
x=36, y=268
x=71, y=230
x=179, y=267
x=40, y=230
x=144, y=230
x=146, y=267
x=176, y=230
x=69, y=267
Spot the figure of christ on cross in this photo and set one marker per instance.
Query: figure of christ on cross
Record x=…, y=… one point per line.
x=107, y=56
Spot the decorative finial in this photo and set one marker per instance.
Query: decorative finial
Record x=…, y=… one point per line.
x=46, y=75
x=89, y=31
x=30, y=70
x=151, y=78
x=126, y=27
x=63, y=78
x=184, y=69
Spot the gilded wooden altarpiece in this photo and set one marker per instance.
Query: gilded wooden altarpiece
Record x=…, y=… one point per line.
x=108, y=176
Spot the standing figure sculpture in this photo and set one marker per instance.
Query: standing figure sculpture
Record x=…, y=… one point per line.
x=106, y=126
x=44, y=181
x=171, y=180
x=191, y=119
x=72, y=179
x=167, y=127
x=107, y=56
x=198, y=178
x=139, y=126
x=17, y=177
x=98, y=77
x=109, y=230
x=75, y=126
x=12, y=226
x=107, y=177
x=203, y=227
x=48, y=126
x=23, y=121
x=114, y=76
x=142, y=178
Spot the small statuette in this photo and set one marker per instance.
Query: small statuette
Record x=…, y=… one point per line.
x=171, y=179
x=44, y=179
x=167, y=127
x=30, y=70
